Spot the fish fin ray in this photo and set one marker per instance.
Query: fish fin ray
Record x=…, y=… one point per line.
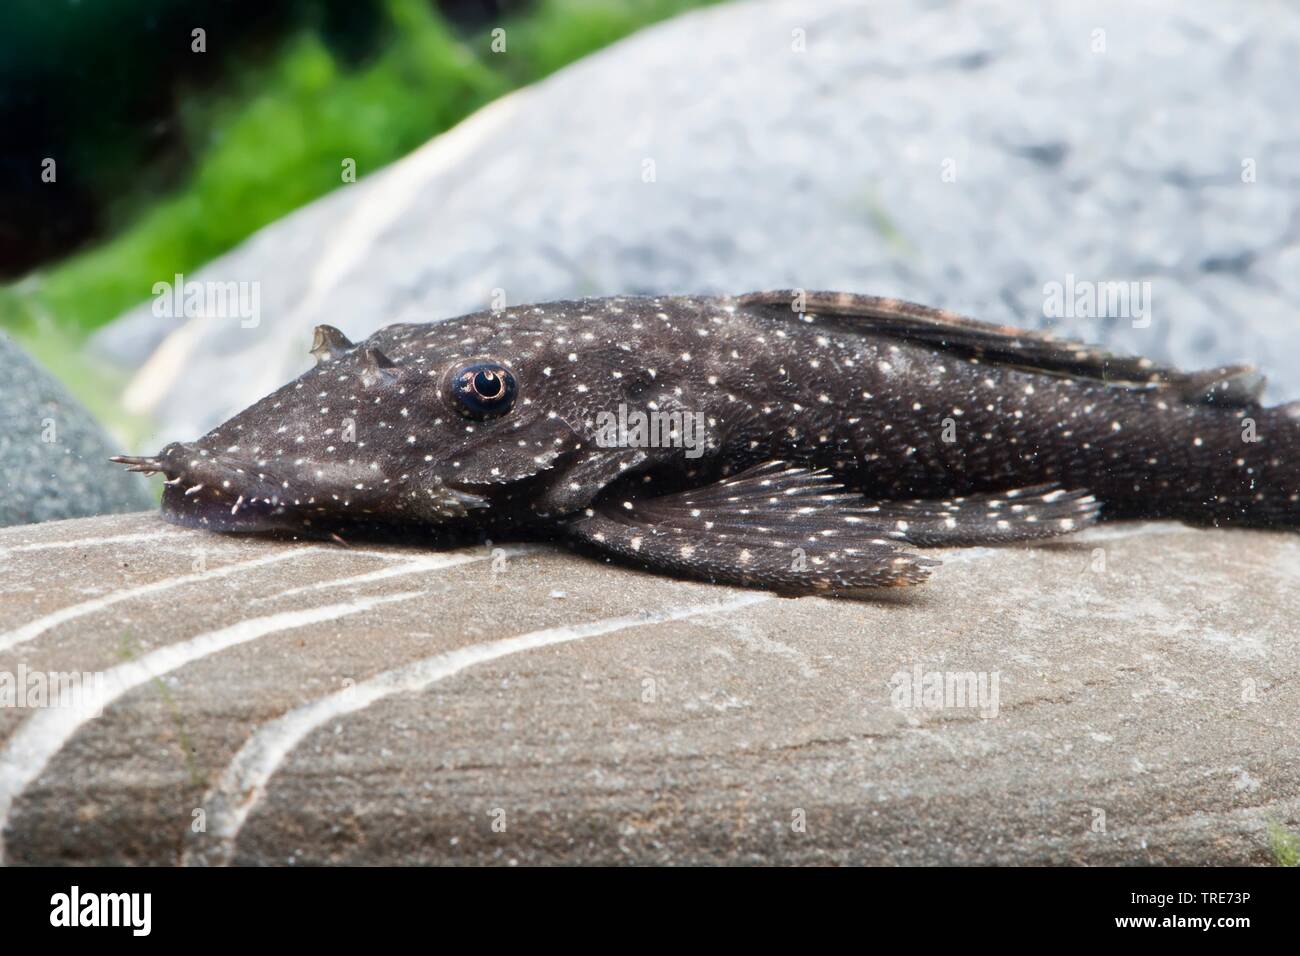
x=731, y=533
x=1020, y=514
x=1033, y=351
x=1236, y=386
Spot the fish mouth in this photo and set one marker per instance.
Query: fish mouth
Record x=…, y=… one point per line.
x=217, y=493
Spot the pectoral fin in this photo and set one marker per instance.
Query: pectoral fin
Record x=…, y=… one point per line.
x=776, y=526
x=786, y=528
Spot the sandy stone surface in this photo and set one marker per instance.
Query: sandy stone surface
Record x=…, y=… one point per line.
x=277, y=703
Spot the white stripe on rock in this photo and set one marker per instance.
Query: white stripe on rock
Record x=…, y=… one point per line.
x=36, y=628
x=93, y=542
x=430, y=562
x=44, y=734
x=433, y=563
x=244, y=782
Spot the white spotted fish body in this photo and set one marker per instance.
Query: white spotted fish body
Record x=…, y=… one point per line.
x=801, y=442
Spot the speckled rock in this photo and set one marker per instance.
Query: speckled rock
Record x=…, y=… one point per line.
x=53, y=454
x=1127, y=697
x=962, y=154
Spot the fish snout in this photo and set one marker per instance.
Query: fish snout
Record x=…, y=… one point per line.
x=188, y=464
x=209, y=489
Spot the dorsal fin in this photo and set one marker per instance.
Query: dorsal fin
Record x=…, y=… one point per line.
x=1235, y=386
x=328, y=343
x=1010, y=346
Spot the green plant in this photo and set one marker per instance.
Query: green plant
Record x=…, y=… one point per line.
x=1284, y=845
x=275, y=140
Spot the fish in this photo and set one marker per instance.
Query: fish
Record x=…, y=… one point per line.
x=797, y=441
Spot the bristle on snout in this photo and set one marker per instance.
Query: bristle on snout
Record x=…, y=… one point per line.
x=144, y=465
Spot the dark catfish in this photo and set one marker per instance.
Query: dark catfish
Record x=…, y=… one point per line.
x=799, y=442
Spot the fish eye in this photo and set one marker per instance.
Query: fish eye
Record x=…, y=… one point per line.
x=483, y=390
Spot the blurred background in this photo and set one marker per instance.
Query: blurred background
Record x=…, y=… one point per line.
x=363, y=162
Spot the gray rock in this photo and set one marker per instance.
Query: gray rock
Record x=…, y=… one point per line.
x=271, y=703
x=53, y=454
x=818, y=169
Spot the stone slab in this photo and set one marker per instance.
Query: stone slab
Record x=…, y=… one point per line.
x=286, y=703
